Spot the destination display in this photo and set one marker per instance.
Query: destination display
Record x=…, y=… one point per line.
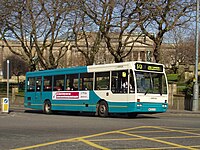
x=148, y=67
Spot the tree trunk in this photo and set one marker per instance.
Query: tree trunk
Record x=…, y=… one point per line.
x=156, y=52
x=118, y=59
x=89, y=60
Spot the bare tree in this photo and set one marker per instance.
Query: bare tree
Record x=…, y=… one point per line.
x=182, y=49
x=6, y=7
x=163, y=16
x=87, y=36
x=37, y=25
x=117, y=21
x=17, y=66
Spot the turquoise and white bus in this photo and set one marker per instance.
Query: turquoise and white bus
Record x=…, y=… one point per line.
x=129, y=87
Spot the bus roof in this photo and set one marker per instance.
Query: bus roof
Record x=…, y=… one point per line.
x=91, y=68
x=119, y=66
x=59, y=71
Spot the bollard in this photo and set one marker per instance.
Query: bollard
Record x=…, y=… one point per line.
x=5, y=105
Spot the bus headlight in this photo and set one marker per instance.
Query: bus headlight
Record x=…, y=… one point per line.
x=164, y=105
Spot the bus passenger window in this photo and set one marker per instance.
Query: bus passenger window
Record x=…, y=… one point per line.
x=75, y=86
x=31, y=84
x=86, y=81
x=47, y=83
x=71, y=87
x=102, y=81
x=72, y=82
x=58, y=83
x=38, y=83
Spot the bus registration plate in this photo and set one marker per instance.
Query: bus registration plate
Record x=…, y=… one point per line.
x=152, y=109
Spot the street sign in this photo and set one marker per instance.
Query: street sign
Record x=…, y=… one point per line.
x=5, y=105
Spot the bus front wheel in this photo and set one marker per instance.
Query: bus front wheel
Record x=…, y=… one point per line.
x=103, y=109
x=47, y=107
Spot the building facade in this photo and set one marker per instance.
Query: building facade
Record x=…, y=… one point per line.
x=142, y=50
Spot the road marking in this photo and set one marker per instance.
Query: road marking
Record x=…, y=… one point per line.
x=134, y=139
x=156, y=140
x=177, y=137
x=72, y=139
x=124, y=132
x=197, y=146
x=172, y=130
x=45, y=144
x=93, y=144
x=162, y=131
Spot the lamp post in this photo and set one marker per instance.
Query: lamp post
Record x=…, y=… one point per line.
x=8, y=75
x=196, y=86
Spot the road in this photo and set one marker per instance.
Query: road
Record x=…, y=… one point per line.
x=34, y=130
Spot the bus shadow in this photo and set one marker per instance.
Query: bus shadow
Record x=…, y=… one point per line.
x=34, y=111
x=139, y=116
x=89, y=114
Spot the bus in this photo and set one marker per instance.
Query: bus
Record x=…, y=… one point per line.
x=129, y=87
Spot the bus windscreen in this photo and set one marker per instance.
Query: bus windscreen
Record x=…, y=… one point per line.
x=152, y=83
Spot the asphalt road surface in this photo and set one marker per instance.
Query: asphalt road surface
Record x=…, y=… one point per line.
x=34, y=130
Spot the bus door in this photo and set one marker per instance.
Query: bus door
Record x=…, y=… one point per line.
x=120, y=85
x=38, y=87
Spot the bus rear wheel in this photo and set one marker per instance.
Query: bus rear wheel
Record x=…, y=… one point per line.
x=47, y=107
x=103, y=109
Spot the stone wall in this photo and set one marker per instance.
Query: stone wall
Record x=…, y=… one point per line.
x=175, y=101
x=179, y=101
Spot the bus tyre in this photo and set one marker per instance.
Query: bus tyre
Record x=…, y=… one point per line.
x=103, y=109
x=47, y=107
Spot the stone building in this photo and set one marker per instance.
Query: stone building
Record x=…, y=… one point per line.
x=142, y=50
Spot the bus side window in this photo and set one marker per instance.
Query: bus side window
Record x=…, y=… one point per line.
x=86, y=81
x=58, y=82
x=72, y=82
x=31, y=84
x=38, y=83
x=102, y=81
x=47, y=83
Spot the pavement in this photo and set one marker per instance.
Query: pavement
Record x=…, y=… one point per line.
x=171, y=111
